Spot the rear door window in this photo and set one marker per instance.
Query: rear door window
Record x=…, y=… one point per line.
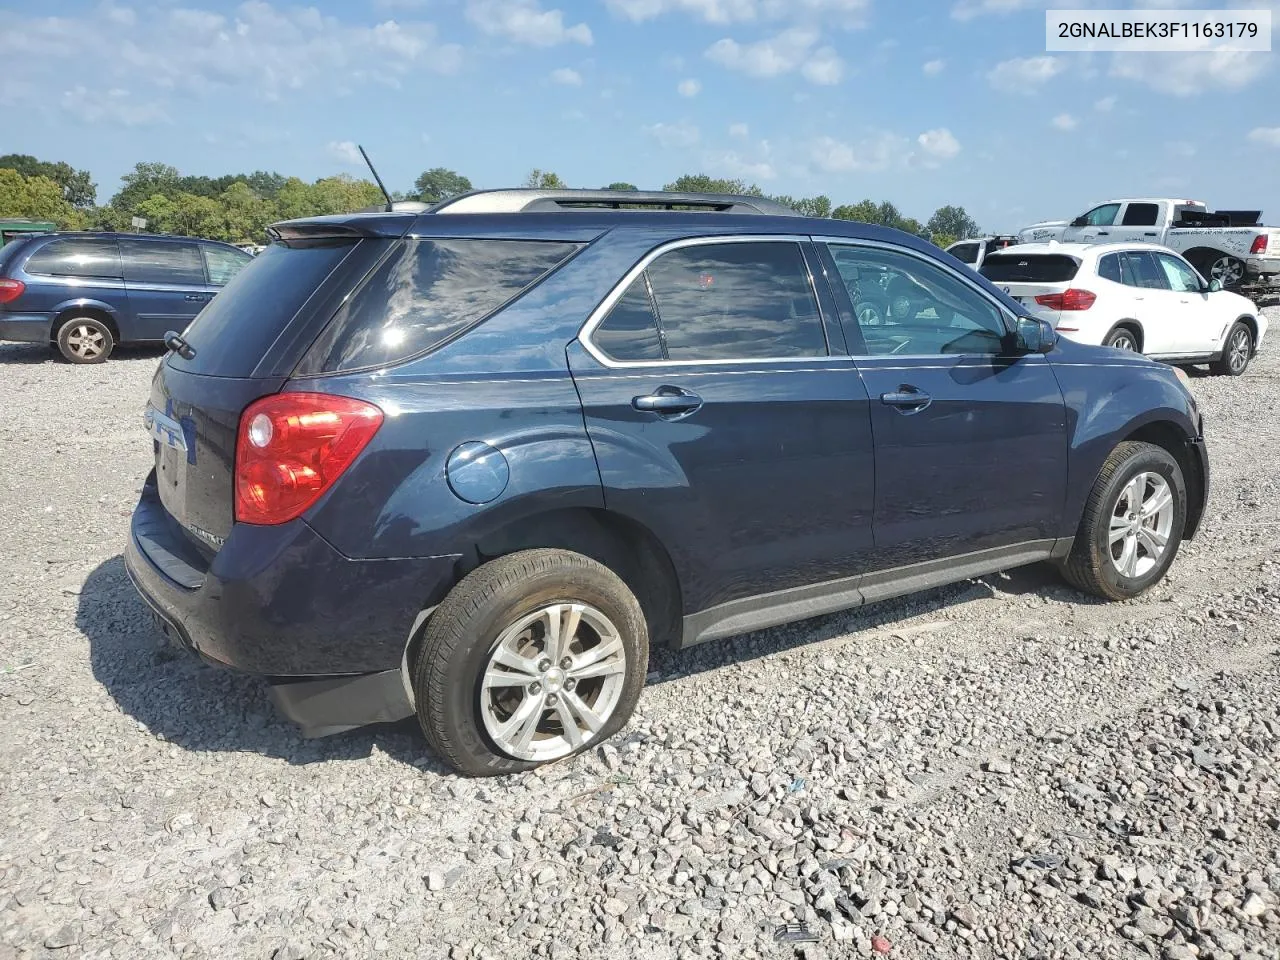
x=1013, y=267
x=736, y=301
x=425, y=293
x=965, y=252
x=630, y=331
x=1109, y=268
x=77, y=257
x=162, y=261
x=1140, y=215
x=1141, y=270
x=223, y=263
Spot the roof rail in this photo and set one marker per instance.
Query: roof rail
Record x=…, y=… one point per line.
x=530, y=200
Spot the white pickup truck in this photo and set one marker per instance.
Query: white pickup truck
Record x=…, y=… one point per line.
x=1229, y=246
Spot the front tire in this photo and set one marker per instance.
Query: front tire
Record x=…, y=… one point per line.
x=1132, y=524
x=1236, y=351
x=85, y=340
x=531, y=658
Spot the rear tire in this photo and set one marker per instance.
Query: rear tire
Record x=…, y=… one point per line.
x=1122, y=338
x=533, y=657
x=1237, y=349
x=85, y=340
x=1226, y=269
x=1132, y=524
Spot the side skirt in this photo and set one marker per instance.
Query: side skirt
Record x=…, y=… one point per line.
x=817, y=599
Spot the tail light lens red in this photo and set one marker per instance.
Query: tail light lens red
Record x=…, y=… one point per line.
x=1259, y=244
x=11, y=290
x=1072, y=299
x=290, y=449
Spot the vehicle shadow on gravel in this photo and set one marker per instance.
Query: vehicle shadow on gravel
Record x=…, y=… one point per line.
x=195, y=706
x=34, y=353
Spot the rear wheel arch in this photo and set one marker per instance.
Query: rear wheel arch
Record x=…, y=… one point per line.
x=1133, y=326
x=1173, y=440
x=97, y=313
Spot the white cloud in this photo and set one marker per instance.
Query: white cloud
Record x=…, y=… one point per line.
x=939, y=144
x=1065, y=121
x=674, y=136
x=739, y=130
x=1024, y=74
x=1267, y=136
x=788, y=51
x=1180, y=148
x=872, y=155
x=262, y=50
x=113, y=106
x=846, y=13
x=1106, y=104
x=932, y=68
x=346, y=152
x=524, y=21
x=736, y=166
x=567, y=76
x=689, y=88
x=1192, y=73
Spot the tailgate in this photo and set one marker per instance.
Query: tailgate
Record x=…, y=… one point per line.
x=193, y=421
x=1026, y=293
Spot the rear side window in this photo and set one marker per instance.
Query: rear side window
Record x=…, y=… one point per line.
x=965, y=252
x=233, y=333
x=1140, y=215
x=1012, y=267
x=1109, y=268
x=630, y=331
x=426, y=292
x=77, y=257
x=162, y=261
x=223, y=263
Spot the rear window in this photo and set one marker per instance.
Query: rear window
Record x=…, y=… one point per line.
x=1029, y=267
x=965, y=252
x=233, y=333
x=162, y=261
x=427, y=292
x=77, y=257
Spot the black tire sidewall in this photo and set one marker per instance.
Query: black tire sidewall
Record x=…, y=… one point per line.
x=458, y=716
x=1119, y=332
x=1148, y=460
x=64, y=331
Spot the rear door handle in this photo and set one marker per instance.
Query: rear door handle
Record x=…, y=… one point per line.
x=668, y=401
x=1151, y=234
x=1103, y=233
x=906, y=398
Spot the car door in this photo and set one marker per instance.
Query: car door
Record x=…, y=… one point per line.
x=728, y=419
x=1198, y=330
x=1094, y=226
x=222, y=264
x=1160, y=311
x=166, y=284
x=1137, y=223
x=970, y=439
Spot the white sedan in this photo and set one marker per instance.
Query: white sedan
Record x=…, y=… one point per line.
x=1132, y=296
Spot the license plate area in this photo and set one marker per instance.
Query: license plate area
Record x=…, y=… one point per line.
x=173, y=454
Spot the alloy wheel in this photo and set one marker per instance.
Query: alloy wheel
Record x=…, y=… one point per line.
x=552, y=681
x=85, y=341
x=1141, y=522
x=1227, y=270
x=1238, y=350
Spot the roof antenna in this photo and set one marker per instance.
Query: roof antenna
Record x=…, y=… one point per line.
x=381, y=185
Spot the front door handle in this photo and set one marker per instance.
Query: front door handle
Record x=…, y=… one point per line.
x=668, y=401
x=907, y=398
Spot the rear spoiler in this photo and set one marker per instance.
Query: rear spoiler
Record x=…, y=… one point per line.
x=350, y=227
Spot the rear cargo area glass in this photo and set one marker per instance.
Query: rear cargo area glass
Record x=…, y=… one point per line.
x=1029, y=268
x=232, y=334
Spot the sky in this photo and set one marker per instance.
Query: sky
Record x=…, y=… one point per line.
x=921, y=102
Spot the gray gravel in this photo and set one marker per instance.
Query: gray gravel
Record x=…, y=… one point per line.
x=1002, y=768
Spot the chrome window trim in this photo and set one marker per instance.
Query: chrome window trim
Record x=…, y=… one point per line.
x=598, y=315
x=1006, y=315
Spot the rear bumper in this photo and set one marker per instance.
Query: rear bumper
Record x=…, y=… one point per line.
x=26, y=327
x=1263, y=268
x=327, y=631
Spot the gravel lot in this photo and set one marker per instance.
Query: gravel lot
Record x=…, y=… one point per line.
x=1002, y=768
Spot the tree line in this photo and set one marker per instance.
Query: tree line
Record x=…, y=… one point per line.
x=238, y=207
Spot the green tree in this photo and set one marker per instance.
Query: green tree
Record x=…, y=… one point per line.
x=440, y=183
x=544, y=180
x=246, y=213
x=146, y=180
x=35, y=198
x=865, y=211
x=78, y=188
x=819, y=206
x=620, y=185
x=953, y=222
x=702, y=183
x=942, y=240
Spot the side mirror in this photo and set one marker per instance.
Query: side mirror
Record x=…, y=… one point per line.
x=1034, y=335
x=1215, y=285
x=1080, y=222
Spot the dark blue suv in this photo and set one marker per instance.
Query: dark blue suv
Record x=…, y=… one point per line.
x=473, y=462
x=87, y=292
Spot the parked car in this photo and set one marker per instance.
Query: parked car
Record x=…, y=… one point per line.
x=14, y=228
x=88, y=292
x=1132, y=296
x=975, y=250
x=474, y=466
x=1229, y=246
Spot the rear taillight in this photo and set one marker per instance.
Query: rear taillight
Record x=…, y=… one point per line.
x=11, y=290
x=1259, y=245
x=290, y=449
x=1072, y=299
